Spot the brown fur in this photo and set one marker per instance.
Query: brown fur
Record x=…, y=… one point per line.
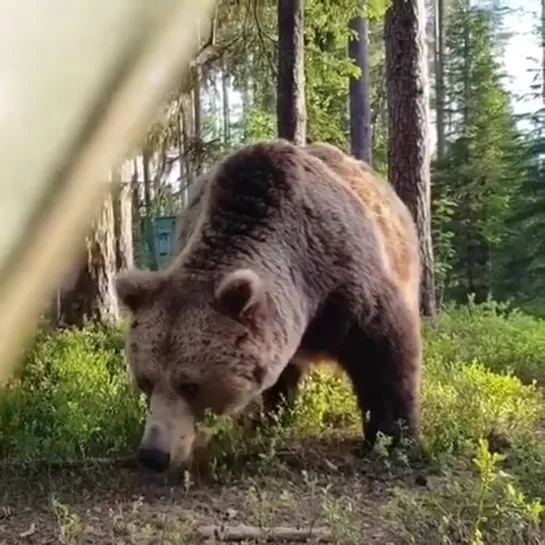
x=288, y=255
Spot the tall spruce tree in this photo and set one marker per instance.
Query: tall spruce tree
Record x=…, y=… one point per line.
x=482, y=166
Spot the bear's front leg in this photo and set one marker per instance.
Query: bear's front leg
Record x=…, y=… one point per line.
x=383, y=360
x=283, y=394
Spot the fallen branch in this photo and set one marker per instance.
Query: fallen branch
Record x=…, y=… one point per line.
x=274, y=534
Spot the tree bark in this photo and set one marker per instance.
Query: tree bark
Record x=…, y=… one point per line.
x=440, y=77
x=197, y=135
x=291, y=105
x=122, y=206
x=181, y=154
x=186, y=128
x=246, y=101
x=87, y=294
x=136, y=214
x=408, y=124
x=543, y=50
x=225, y=96
x=360, y=108
x=148, y=228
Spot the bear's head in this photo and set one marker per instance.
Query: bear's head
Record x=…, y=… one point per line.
x=197, y=343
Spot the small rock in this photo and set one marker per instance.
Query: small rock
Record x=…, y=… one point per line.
x=5, y=512
x=231, y=513
x=27, y=533
x=498, y=442
x=421, y=480
x=95, y=531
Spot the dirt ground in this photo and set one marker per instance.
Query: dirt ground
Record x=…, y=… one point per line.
x=307, y=488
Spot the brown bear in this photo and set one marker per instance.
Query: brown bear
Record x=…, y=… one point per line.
x=287, y=255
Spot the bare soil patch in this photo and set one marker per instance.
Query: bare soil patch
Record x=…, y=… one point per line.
x=314, y=485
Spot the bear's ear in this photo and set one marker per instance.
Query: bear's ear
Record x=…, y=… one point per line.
x=241, y=292
x=134, y=287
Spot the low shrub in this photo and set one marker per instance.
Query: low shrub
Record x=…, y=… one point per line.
x=502, y=338
x=484, y=506
x=71, y=398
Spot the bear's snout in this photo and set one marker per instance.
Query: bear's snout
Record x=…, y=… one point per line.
x=154, y=459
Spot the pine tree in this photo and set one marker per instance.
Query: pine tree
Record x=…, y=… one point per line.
x=291, y=106
x=408, y=114
x=481, y=167
x=360, y=105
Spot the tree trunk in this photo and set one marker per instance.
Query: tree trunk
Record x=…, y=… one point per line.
x=87, y=294
x=136, y=215
x=543, y=50
x=360, y=108
x=408, y=118
x=467, y=204
x=291, y=105
x=186, y=127
x=246, y=103
x=181, y=154
x=225, y=96
x=197, y=135
x=440, y=77
x=211, y=85
x=122, y=207
x=148, y=228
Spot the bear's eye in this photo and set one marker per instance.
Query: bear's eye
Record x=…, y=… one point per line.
x=188, y=389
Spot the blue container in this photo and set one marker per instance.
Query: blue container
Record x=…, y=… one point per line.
x=164, y=232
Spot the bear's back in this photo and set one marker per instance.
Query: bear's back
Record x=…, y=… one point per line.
x=395, y=225
x=187, y=220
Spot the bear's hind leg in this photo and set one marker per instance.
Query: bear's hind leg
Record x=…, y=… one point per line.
x=383, y=362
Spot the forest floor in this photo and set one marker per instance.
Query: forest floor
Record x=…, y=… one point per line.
x=482, y=482
x=103, y=505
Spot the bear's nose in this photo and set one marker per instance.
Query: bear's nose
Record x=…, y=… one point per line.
x=154, y=459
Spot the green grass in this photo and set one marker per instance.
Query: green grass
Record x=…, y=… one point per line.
x=484, y=367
